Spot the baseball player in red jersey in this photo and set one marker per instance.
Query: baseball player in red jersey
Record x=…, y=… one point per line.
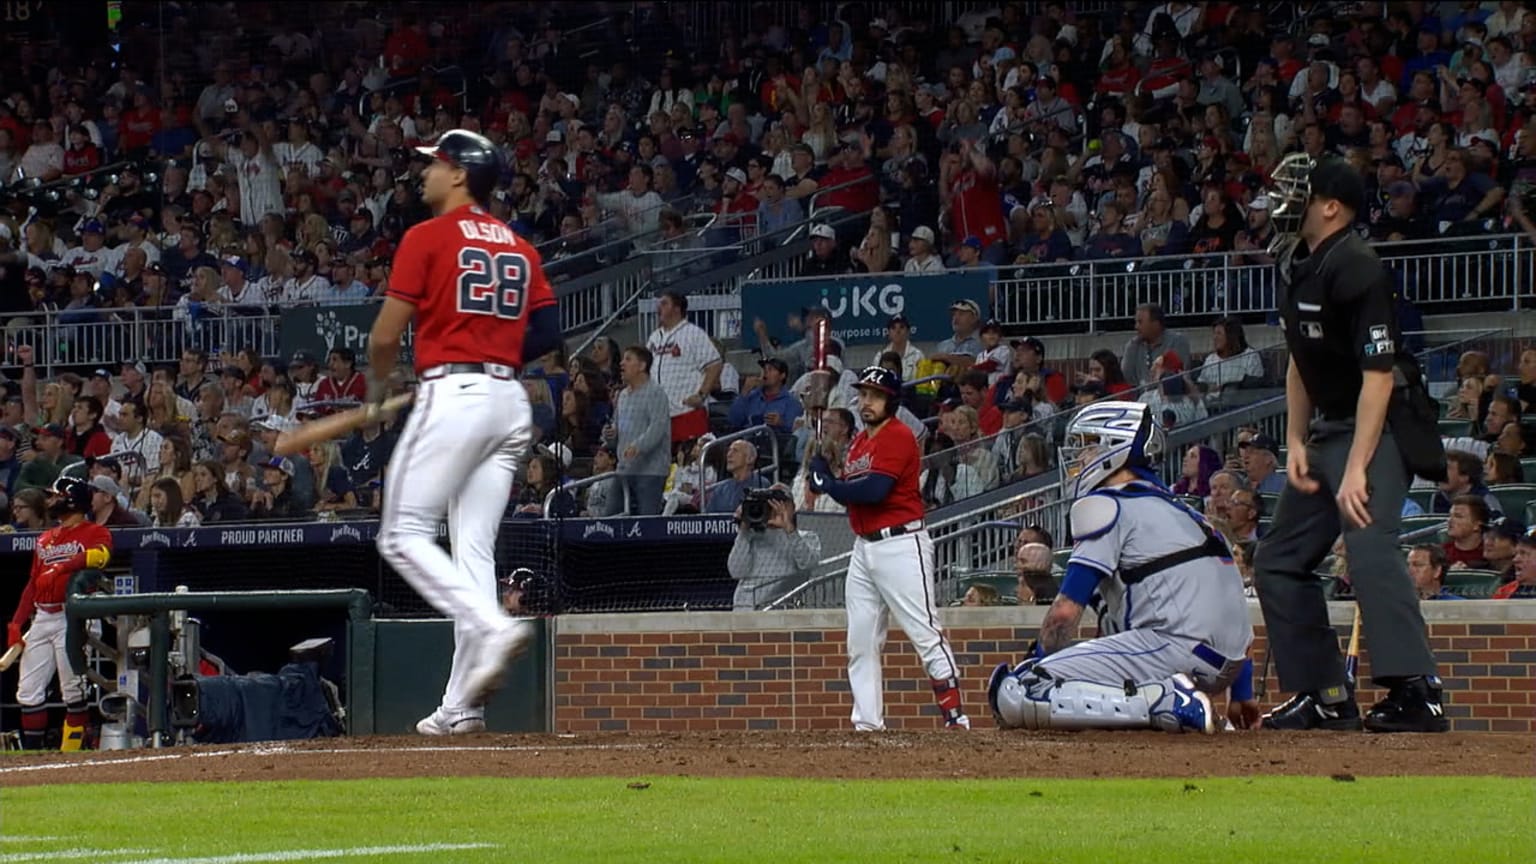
x=891, y=569
x=482, y=308
x=62, y=551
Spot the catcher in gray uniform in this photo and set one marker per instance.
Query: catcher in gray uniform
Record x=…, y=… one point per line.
x=1173, y=622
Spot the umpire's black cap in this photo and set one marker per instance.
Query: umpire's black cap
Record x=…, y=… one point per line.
x=1337, y=180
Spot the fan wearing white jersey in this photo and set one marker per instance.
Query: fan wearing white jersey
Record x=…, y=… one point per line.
x=1170, y=603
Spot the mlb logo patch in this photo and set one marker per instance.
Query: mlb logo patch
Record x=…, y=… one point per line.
x=1312, y=329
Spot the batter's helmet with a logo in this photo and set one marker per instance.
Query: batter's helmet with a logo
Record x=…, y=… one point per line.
x=882, y=380
x=474, y=153
x=70, y=495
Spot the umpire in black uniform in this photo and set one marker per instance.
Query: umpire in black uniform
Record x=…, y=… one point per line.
x=1345, y=471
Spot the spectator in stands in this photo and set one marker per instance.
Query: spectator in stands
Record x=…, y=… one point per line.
x=193, y=373
x=1219, y=503
x=963, y=427
x=85, y=436
x=342, y=380
x=211, y=498
x=1200, y=463
x=1032, y=457
x=1459, y=193
x=175, y=465
x=769, y=563
x=1502, y=411
x=1171, y=401
x=921, y=257
x=639, y=433
x=104, y=505
x=138, y=439
x=1471, y=402
x=741, y=475
x=824, y=259
x=1525, y=390
x=797, y=355
x=333, y=488
x=1231, y=363
x=899, y=331
x=1524, y=585
x=874, y=253
x=1464, y=476
x=687, y=366
x=605, y=497
x=1499, y=540
x=1469, y=514
x=29, y=511
x=275, y=499
x=575, y=427
x=1112, y=240
x=1261, y=462
x=1426, y=564
x=234, y=455
x=542, y=477
x=1152, y=340
x=959, y=351
x=1042, y=238
x=973, y=394
x=994, y=360
x=769, y=404
x=1514, y=440
x=777, y=211
x=1029, y=360
x=167, y=507
x=1502, y=468
x=1104, y=370
x=1243, y=516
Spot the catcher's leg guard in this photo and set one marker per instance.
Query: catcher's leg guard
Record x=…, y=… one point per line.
x=34, y=726
x=75, y=717
x=1027, y=699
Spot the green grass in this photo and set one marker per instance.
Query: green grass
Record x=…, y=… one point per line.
x=1290, y=820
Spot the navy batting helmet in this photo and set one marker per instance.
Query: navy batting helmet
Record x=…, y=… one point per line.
x=70, y=495
x=475, y=154
x=881, y=379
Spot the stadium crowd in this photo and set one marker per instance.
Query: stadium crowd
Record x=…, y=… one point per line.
x=276, y=170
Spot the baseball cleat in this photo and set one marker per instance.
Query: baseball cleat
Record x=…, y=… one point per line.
x=498, y=649
x=1191, y=707
x=438, y=724
x=1305, y=711
x=959, y=724
x=1412, y=705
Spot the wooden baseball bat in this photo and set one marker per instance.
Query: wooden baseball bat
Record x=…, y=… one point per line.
x=335, y=426
x=1352, y=657
x=10, y=656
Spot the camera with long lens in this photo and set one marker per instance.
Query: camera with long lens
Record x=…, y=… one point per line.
x=757, y=507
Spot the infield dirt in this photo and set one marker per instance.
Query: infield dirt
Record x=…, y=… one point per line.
x=831, y=755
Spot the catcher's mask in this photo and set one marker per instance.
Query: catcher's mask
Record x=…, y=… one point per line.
x=1292, y=186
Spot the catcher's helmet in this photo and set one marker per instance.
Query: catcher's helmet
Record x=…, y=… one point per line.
x=475, y=154
x=1105, y=437
x=71, y=495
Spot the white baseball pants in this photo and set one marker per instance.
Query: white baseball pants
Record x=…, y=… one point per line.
x=43, y=658
x=456, y=459
x=891, y=578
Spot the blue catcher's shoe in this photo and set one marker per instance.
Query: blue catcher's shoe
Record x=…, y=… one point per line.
x=1191, y=707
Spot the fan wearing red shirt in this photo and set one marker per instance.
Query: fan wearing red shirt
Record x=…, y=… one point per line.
x=342, y=381
x=891, y=567
x=85, y=436
x=846, y=168
x=482, y=308
x=968, y=182
x=73, y=545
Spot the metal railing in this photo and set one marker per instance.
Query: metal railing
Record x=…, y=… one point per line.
x=759, y=431
x=1492, y=271
x=571, y=488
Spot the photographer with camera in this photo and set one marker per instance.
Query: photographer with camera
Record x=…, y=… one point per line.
x=771, y=554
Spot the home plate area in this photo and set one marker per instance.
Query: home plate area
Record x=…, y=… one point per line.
x=833, y=755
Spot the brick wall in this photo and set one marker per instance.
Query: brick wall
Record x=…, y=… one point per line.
x=787, y=670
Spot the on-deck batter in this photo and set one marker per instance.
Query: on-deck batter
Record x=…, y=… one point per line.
x=482, y=307
x=62, y=551
x=1172, y=617
x=891, y=569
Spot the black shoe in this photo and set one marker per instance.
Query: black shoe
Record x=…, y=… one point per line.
x=1412, y=705
x=1305, y=711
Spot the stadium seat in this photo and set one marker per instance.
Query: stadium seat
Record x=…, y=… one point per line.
x=1445, y=408
x=1528, y=469
x=1412, y=524
x=1424, y=497
x=1513, y=497
x=1194, y=502
x=1059, y=560
x=1456, y=428
x=1270, y=499
x=1472, y=583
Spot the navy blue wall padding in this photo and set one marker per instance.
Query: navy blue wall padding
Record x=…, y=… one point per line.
x=290, y=705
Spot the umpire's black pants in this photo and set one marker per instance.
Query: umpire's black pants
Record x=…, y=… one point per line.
x=1304, y=645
